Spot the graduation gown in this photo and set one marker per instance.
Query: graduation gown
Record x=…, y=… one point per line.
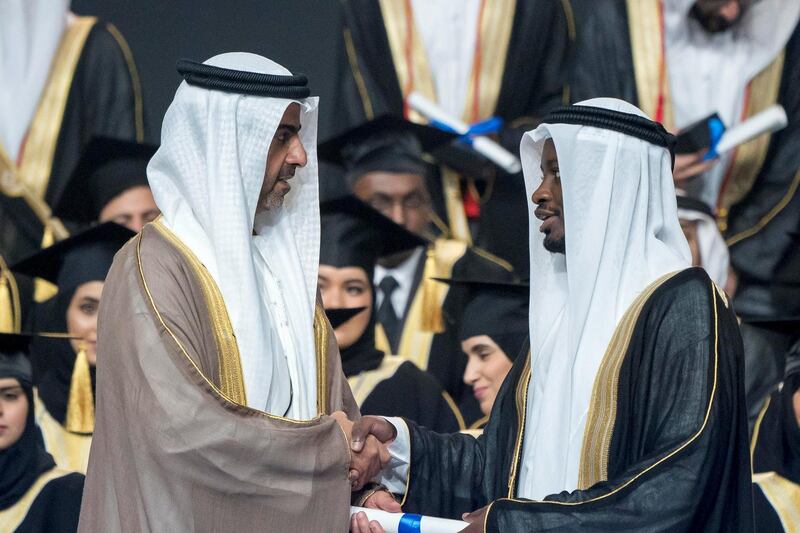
x=174, y=442
x=390, y=386
x=528, y=39
x=440, y=353
x=51, y=505
x=616, y=48
x=666, y=444
x=93, y=89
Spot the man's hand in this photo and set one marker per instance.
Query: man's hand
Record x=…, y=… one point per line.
x=359, y=523
x=376, y=426
x=367, y=464
x=382, y=501
x=475, y=519
x=690, y=165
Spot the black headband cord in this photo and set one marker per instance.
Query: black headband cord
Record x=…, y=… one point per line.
x=609, y=119
x=243, y=82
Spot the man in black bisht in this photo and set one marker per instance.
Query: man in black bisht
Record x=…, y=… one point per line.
x=682, y=60
x=629, y=413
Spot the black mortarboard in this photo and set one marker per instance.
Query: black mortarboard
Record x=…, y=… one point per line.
x=356, y=235
x=387, y=143
x=14, y=362
x=107, y=168
x=79, y=259
x=693, y=204
x=339, y=316
x=494, y=308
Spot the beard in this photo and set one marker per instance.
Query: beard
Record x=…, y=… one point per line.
x=712, y=21
x=555, y=246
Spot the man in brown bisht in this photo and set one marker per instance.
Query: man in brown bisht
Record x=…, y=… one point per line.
x=218, y=369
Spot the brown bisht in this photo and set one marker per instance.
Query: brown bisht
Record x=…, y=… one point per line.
x=173, y=449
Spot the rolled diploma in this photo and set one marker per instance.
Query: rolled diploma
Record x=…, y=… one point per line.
x=391, y=522
x=483, y=145
x=771, y=119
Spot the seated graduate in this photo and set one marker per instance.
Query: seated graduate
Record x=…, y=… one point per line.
x=776, y=450
x=386, y=166
x=64, y=369
x=354, y=236
x=109, y=184
x=35, y=495
x=493, y=333
x=629, y=413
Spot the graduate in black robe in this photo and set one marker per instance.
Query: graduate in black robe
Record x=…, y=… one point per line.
x=618, y=53
x=517, y=74
x=776, y=453
x=35, y=495
x=64, y=369
x=661, y=443
x=94, y=78
x=109, y=184
x=353, y=237
x=385, y=166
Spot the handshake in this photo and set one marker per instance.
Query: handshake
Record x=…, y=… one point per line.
x=369, y=439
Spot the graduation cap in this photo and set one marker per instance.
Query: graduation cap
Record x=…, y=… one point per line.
x=356, y=235
x=107, y=168
x=387, y=143
x=498, y=309
x=14, y=362
x=79, y=259
x=339, y=316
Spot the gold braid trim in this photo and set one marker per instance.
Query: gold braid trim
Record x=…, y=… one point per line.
x=352, y=58
x=321, y=326
x=363, y=383
x=603, y=404
x=138, y=111
x=231, y=378
x=650, y=68
x=521, y=398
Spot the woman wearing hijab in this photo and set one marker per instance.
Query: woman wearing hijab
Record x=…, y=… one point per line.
x=776, y=453
x=354, y=236
x=64, y=369
x=493, y=333
x=35, y=495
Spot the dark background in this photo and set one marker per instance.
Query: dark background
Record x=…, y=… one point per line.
x=302, y=35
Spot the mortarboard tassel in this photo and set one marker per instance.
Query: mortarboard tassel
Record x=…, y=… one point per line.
x=431, y=319
x=80, y=407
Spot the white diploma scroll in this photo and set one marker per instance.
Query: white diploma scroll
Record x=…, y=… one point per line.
x=770, y=120
x=483, y=145
x=409, y=523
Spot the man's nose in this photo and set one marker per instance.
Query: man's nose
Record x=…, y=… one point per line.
x=541, y=194
x=297, y=154
x=398, y=213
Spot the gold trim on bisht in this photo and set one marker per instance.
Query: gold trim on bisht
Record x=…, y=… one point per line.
x=603, y=405
x=231, y=379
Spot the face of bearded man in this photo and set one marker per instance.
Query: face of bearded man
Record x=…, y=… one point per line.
x=719, y=15
x=285, y=154
x=549, y=201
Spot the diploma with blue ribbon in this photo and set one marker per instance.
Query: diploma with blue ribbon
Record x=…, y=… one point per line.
x=410, y=523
